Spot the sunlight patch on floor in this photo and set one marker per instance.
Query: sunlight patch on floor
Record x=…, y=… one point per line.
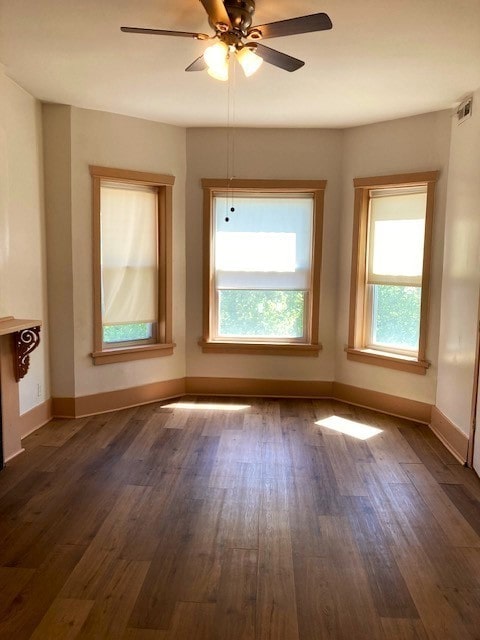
x=206, y=406
x=349, y=427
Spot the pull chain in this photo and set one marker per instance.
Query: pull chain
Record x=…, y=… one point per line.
x=231, y=135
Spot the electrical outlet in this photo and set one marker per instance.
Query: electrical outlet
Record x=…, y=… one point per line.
x=39, y=390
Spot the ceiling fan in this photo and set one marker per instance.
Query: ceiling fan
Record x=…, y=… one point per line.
x=234, y=34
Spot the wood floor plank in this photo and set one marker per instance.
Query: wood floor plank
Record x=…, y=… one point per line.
x=192, y=615
x=198, y=578
x=57, y=432
x=25, y=612
x=387, y=586
x=436, y=459
x=224, y=474
x=456, y=527
x=276, y=603
x=395, y=518
x=329, y=501
x=156, y=602
x=303, y=518
x=235, y=609
x=240, y=446
x=465, y=502
x=146, y=437
x=241, y=520
x=31, y=460
x=86, y=580
x=385, y=458
x=317, y=614
x=64, y=620
x=12, y=581
x=143, y=537
x=22, y=492
x=114, y=602
x=348, y=582
x=467, y=602
x=144, y=634
x=403, y=629
x=122, y=518
x=472, y=561
x=441, y=620
x=348, y=480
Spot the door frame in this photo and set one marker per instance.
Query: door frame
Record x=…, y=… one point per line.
x=475, y=394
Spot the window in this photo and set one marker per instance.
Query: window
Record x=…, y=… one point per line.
x=390, y=269
x=262, y=266
x=132, y=265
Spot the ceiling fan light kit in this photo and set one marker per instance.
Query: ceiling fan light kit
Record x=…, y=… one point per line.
x=249, y=60
x=232, y=22
x=216, y=57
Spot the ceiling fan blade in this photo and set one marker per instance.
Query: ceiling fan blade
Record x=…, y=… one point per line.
x=294, y=26
x=278, y=58
x=217, y=13
x=197, y=65
x=162, y=32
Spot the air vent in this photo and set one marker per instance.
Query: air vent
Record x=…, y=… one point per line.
x=464, y=111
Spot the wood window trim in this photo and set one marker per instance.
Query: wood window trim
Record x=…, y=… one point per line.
x=356, y=349
x=210, y=187
x=163, y=345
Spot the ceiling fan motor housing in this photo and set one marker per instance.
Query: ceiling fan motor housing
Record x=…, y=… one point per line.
x=240, y=13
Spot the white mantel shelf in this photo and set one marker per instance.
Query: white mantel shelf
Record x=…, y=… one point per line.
x=26, y=338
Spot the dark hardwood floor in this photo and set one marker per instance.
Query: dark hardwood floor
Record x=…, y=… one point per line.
x=195, y=524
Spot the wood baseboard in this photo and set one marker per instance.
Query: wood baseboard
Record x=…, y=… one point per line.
x=35, y=418
x=135, y=396
x=450, y=435
x=121, y=399
x=383, y=402
x=14, y=455
x=258, y=387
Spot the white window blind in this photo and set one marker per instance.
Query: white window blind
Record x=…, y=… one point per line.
x=266, y=244
x=396, y=236
x=128, y=253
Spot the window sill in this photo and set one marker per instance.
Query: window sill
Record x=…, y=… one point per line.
x=261, y=348
x=126, y=354
x=390, y=361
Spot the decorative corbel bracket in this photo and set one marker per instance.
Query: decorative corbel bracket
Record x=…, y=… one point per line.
x=25, y=342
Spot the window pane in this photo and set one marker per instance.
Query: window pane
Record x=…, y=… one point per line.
x=261, y=314
x=129, y=251
x=396, y=236
x=127, y=332
x=396, y=316
x=398, y=247
x=266, y=243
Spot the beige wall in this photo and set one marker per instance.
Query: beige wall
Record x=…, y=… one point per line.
x=97, y=138
x=22, y=229
x=461, y=273
x=57, y=160
x=413, y=144
x=263, y=153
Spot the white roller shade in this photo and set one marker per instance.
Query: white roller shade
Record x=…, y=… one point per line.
x=266, y=244
x=128, y=253
x=396, y=236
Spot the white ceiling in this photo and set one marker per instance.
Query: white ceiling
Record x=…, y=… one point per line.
x=384, y=59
